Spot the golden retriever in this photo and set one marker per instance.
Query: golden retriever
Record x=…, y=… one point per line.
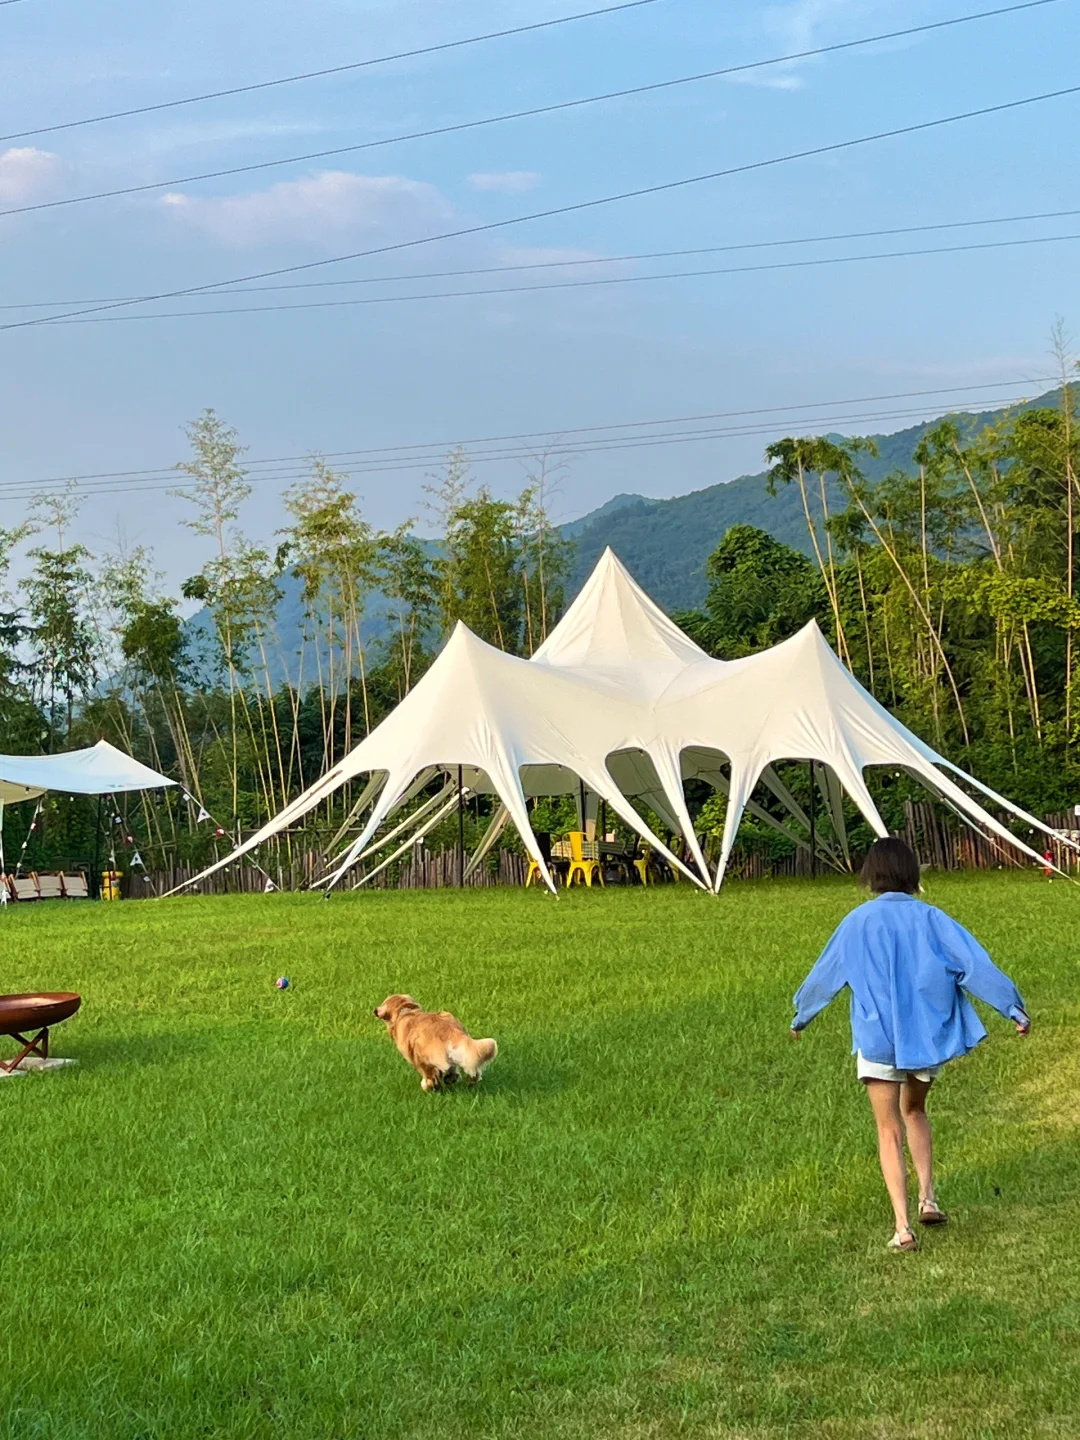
x=436, y=1045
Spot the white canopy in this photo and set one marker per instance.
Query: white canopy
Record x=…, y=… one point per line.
x=620, y=701
x=99, y=770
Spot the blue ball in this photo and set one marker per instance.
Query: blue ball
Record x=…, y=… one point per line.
x=282, y=982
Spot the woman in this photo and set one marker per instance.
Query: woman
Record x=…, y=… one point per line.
x=907, y=966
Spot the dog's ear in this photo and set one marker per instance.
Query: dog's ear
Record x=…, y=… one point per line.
x=393, y=1006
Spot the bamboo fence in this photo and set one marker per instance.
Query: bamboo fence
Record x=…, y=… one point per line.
x=939, y=839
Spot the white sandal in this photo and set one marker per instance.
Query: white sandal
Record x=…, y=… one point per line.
x=903, y=1240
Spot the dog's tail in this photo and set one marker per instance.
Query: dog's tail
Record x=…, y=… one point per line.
x=473, y=1055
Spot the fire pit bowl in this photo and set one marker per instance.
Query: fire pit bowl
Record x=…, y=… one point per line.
x=21, y=1014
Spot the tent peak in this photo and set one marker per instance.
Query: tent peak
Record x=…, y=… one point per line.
x=614, y=627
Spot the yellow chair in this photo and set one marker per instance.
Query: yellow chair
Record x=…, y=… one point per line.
x=642, y=863
x=584, y=860
x=549, y=852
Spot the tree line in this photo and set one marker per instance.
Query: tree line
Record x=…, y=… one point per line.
x=949, y=588
x=242, y=717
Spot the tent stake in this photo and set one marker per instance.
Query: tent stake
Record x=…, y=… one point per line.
x=460, y=834
x=813, y=834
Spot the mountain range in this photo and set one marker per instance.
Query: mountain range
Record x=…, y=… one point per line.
x=663, y=543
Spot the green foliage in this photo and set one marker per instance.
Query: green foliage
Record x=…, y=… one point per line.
x=61, y=640
x=760, y=592
x=949, y=589
x=501, y=565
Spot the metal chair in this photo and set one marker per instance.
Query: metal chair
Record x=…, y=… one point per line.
x=584, y=860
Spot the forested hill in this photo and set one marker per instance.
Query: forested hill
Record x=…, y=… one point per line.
x=665, y=543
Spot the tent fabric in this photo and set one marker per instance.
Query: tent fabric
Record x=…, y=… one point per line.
x=619, y=701
x=99, y=770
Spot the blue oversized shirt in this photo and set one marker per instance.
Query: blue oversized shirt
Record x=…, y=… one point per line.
x=907, y=966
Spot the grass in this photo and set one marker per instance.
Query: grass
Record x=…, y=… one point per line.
x=240, y=1217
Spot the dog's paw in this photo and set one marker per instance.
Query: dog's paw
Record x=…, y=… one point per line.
x=426, y=1084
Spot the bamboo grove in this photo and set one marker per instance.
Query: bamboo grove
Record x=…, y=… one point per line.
x=948, y=587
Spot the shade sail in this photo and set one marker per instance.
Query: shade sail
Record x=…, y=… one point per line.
x=101, y=769
x=619, y=701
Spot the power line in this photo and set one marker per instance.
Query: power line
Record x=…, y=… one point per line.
x=554, y=452
x=575, y=208
x=498, y=119
x=530, y=443
x=590, y=260
x=441, y=446
x=495, y=290
x=318, y=74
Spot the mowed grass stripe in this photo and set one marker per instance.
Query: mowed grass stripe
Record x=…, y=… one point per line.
x=239, y=1216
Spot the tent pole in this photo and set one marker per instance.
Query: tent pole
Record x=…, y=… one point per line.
x=460, y=833
x=581, y=804
x=813, y=830
x=95, y=878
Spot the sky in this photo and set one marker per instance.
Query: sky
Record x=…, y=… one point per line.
x=113, y=395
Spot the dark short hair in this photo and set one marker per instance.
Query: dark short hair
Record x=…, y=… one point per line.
x=891, y=864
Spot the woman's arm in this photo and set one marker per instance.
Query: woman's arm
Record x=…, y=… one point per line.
x=977, y=973
x=823, y=984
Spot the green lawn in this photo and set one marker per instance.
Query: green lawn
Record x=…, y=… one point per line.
x=239, y=1216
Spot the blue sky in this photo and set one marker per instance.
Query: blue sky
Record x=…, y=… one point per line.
x=79, y=399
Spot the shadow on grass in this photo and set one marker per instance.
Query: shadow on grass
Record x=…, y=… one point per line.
x=129, y=1049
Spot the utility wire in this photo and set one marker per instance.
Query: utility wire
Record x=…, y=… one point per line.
x=589, y=261
x=441, y=446
x=572, y=440
x=565, y=452
x=497, y=119
x=577, y=207
x=318, y=74
x=610, y=280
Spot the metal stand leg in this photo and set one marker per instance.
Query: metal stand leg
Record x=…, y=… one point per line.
x=39, y=1045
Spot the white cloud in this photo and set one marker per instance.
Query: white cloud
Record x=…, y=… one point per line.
x=794, y=28
x=330, y=208
x=507, y=182
x=27, y=174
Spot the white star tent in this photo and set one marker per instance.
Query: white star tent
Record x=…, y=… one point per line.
x=620, y=702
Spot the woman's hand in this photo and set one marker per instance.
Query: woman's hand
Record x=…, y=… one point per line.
x=796, y=1034
x=1023, y=1027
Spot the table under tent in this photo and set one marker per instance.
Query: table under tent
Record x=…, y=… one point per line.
x=620, y=707
x=101, y=770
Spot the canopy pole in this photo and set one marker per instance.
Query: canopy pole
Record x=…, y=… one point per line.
x=581, y=805
x=813, y=828
x=460, y=832
x=95, y=878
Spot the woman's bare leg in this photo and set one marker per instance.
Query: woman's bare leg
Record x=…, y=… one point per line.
x=913, y=1095
x=885, y=1103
